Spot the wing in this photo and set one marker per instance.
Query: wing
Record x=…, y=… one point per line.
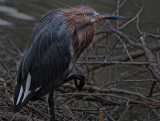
x=47, y=56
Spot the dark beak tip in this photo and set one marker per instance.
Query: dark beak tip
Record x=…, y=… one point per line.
x=121, y=18
x=113, y=17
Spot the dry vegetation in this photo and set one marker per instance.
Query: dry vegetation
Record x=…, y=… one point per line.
x=122, y=78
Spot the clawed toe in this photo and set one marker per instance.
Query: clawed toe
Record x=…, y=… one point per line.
x=81, y=83
x=77, y=77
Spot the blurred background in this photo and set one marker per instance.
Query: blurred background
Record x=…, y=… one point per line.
x=19, y=17
x=120, y=86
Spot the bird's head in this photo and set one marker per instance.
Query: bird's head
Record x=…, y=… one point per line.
x=80, y=21
x=82, y=15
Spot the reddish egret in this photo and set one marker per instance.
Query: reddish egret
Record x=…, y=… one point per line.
x=58, y=41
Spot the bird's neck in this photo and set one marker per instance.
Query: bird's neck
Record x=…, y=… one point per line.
x=83, y=32
x=82, y=38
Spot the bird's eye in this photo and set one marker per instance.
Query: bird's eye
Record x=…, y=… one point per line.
x=85, y=15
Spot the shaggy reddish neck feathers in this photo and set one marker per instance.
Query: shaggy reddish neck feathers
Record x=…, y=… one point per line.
x=81, y=27
x=75, y=17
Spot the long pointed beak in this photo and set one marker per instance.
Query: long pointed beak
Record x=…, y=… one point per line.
x=100, y=17
x=113, y=17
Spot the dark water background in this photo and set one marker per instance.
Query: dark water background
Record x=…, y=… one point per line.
x=19, y=17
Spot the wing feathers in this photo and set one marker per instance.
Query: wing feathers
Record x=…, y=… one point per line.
x=37, y=89
x=20, y=94
x=28, y=83
x=26, y=92
x=47, y=57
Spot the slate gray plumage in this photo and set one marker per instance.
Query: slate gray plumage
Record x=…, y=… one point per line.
x=58, y=41
x=47, y=57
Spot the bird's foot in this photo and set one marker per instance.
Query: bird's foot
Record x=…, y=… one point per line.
x=77, y=77
x=81, y=83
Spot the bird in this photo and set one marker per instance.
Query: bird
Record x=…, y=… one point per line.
x=55, y=46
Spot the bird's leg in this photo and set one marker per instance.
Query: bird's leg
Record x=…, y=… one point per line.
x=75, y=77
x=51, y=105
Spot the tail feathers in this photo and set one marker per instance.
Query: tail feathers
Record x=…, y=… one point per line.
x=22, y=93
x=22, y=102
